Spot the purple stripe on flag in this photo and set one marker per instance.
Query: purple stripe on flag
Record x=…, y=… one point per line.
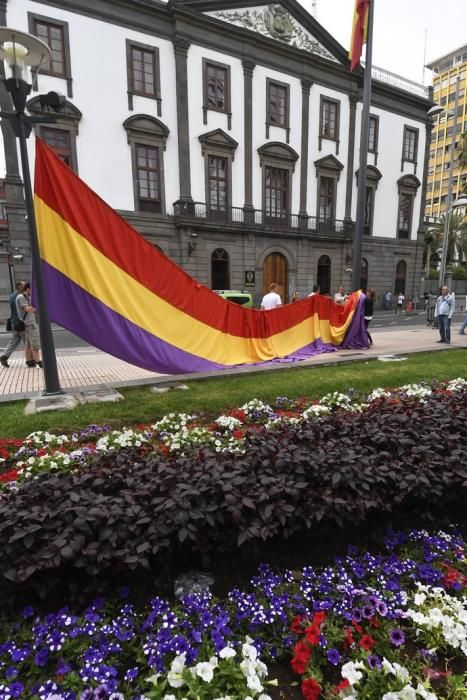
x=356, y=336
x=79, y=312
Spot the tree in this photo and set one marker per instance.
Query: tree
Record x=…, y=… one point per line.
x=457, y=239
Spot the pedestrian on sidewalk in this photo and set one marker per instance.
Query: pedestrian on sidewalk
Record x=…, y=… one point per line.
x=369, y=306
x=400, y=303
x=445, y=305
x=17, y=337
x=27, y=313
x=272, y=299
x=387, y=300
x=464, y=325
x=340, y=297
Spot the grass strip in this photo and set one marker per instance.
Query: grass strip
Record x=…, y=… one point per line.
x=221, y=393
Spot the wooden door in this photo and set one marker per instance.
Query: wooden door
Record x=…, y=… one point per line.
x=275, y=270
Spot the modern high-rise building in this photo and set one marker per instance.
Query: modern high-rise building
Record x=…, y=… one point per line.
x=450, y=74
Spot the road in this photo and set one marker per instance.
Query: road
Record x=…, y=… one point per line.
x=382, y=321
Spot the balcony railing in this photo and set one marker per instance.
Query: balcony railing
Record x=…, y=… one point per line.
x=260, y=219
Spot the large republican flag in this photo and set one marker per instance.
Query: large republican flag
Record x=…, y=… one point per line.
x=359, y=32
x=108, y=285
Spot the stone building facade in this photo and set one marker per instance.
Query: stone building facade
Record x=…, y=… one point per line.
x=227, y=133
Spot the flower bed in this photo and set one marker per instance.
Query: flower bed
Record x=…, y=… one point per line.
x=389, y=625
x=183, y=433
x=143, y=502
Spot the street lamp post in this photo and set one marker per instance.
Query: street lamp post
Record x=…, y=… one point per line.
x=20, y=50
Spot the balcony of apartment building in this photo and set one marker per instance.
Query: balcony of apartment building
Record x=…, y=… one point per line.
x=276, y=221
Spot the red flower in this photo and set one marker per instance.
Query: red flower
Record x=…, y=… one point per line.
x=312, y=634
x=237, y=434
x=348, y=639
x=300, y=661
x=296, y=625
x=357, y=627
x=319, y=617
x=310, y=689
x=341, y=686
x=367, y=642
x=374, y=622
x=9, y=476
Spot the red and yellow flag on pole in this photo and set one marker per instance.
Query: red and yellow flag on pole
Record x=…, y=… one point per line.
x=359, y=32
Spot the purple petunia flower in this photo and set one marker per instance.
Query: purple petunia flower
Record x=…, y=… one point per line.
x=333, y=656
x=16, y=689
x=374, y=661
x=42, y=657
x=397, y=637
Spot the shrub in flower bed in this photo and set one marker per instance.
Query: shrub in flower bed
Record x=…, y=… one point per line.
x=389, y=625
x=130, y=510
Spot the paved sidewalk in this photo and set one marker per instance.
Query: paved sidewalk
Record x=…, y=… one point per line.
x=87, y=367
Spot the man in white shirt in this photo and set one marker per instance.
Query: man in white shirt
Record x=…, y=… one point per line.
x=272, y=299
x=444, y=311
x=340, y=297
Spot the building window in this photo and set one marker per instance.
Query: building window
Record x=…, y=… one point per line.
x=59, y=141
x=276, y=190
x=324, y=274
x=147, y=137
x=55, y=34
x=143, y=73
x=369, y=210
x=373, y=136
x=409, y=146
x=148, y=177
x=329, y=121
x=277, y=106
x=327, y=199
x=217, y=183
x=216, y=90
x=220, y=269
x=218, y=150
x=405, y=215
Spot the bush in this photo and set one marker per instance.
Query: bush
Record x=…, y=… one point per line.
x=132, y=513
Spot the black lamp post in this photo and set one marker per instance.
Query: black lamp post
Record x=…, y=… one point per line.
x=19, y=50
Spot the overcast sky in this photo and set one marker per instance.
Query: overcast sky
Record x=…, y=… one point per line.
x=399, y=30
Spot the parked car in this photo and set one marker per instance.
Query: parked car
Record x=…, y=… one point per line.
x=242, y=298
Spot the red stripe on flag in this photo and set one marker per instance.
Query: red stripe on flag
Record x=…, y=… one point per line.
x=358, y=32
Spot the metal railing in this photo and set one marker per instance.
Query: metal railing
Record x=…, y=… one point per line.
x=260, y=218
x=385, y=76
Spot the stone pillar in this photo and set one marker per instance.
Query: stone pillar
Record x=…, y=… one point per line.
x=353, y=99
x=181, y=46
x=303, y=215
x=248, y=67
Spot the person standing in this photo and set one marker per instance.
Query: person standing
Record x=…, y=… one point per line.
x=445, y=306
x=368, y=309
x=387, y=300
x=340, y=297
x=27, y=312
x=400, y=303
x=316, y=290
x=17, y=337
x=464, y=326
x=272, y=299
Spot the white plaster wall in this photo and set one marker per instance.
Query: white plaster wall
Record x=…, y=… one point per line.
x=390, y=137
x=216, y=120
x=260, y=74
x=98, y=66
x=327, y=147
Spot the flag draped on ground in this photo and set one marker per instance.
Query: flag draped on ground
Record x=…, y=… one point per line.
x=107, y=284
x=359, y=32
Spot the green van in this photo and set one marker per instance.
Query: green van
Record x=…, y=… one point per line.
x=242, y=298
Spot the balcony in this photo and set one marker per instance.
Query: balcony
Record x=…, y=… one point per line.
x=256, y=220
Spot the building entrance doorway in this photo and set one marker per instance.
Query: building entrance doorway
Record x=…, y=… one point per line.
x=275, y=269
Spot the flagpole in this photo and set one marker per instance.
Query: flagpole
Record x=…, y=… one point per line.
x=362, y=170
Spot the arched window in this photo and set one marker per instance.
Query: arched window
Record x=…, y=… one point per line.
x=324, y=274
x=364, y=274
x=401, y=276
x=220, y=269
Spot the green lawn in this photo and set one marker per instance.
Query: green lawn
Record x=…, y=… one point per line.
x=223, y=392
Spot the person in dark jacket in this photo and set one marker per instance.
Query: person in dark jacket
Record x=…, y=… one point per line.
x=370, y=297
